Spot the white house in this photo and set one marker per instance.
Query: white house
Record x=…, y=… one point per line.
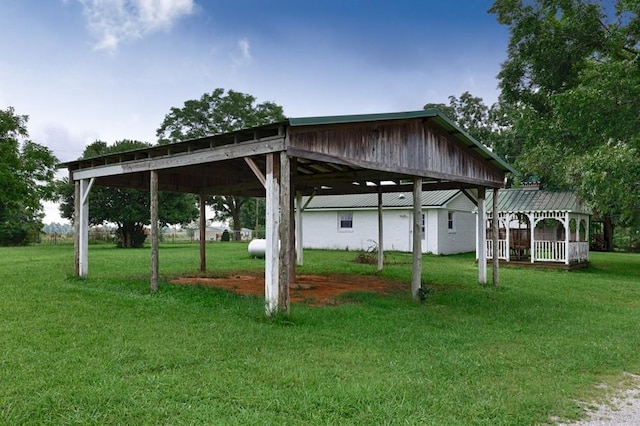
x=351, y=222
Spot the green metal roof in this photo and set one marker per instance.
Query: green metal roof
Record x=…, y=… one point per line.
x=529, y=200
x=389, y=200
x=336, y=119
x=434, y=114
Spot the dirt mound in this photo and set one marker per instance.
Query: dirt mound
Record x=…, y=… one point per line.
x=311, y=289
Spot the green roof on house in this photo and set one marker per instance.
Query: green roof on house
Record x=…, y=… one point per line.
x=529, y=200
x=389, y=200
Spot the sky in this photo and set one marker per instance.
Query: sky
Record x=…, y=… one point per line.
x=87, y=70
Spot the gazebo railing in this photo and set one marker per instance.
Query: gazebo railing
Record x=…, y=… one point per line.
x=579, y=250
x=546, y=251
x=550, y=251
x=502, y=249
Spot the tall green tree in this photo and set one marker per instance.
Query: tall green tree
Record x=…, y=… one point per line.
x=571, y=86
x=214, y=113
x=129, y=209
x=487, y=124
x=470, y=113
x=26, y=178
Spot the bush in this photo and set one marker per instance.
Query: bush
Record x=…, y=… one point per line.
x=226, y=236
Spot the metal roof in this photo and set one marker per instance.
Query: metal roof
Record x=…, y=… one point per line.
x=528, y=200
x=389, y=199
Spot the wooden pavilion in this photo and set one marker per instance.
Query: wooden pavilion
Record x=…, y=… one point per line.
x=406, y=151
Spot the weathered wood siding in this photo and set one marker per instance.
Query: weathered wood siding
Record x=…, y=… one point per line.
x=413, y=147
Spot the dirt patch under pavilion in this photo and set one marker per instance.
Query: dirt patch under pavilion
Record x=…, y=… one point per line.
x=311, y=289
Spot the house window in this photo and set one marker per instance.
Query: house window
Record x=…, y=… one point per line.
x=450, y=224
x=345, y=221
x=423, y=226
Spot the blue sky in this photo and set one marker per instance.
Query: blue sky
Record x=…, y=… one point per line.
x=111, y=69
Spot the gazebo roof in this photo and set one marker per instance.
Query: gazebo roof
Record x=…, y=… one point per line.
x=527, y=200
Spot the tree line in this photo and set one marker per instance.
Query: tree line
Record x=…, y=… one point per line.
x=568, y=112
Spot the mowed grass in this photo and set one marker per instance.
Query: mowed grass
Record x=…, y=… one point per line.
x=106, y=351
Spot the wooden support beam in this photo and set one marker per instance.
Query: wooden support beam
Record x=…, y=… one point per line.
x=299, y=233
x=380, y=231
x=203, y=233
x=481, y=243
x=272, y=224
x=83, y=224
x=256, y=170
x=76, y=225
x=153, y=188
x=286, y=249
x=496, y=229
x=416, y=271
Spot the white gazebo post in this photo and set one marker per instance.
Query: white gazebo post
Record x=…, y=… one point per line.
x=507, y=222
x=567, y=230
x=533, y=222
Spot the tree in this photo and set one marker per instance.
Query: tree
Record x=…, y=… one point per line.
x=571, y=86
x=214, y=113
x=470, y=113
x=128, y=208
x=26, y=176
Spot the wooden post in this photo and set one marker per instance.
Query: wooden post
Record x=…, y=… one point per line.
x=482, y=237
x=286, y=248
x=416, y=271
x=203, y=233
x=76, y=225
x=153, y=188
x=496, y=230
x=380, y=231
x=83, y=232
x=272, y=224
x=298, y=224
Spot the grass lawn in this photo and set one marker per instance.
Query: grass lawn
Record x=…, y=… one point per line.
x=106, y=351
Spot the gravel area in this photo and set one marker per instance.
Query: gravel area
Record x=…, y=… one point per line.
x=622, y=410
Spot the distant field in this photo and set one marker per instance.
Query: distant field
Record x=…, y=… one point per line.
x=106, y=351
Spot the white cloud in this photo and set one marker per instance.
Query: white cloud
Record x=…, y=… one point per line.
x=115, y=21
x=245, y=49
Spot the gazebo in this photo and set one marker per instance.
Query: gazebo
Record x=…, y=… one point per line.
x=411, y=151
x=538, y=226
